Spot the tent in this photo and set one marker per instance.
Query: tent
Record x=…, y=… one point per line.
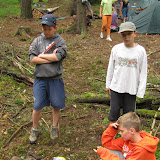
x=145, y=15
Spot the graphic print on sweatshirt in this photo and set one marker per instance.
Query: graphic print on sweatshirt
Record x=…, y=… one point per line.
x=127, y=62
x=50, y=48
x=126, y=151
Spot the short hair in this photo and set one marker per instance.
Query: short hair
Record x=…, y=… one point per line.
x=130, y=120
x=54, y=25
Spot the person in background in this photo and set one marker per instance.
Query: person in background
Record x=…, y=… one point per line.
x=118, y=9
x=114, y=23
x=106, y=14
x=133, y=143
x=88, y=4
x=125, y=7
x=127, y=73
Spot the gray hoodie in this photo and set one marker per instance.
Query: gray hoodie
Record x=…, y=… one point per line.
x=52, y=70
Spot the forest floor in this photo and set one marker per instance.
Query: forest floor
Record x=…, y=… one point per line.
x=84, y=73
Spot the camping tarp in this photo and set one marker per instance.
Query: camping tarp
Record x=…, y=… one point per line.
x=145, y=16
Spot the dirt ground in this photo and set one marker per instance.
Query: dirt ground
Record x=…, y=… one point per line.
x=86, y=54
x=89, y=46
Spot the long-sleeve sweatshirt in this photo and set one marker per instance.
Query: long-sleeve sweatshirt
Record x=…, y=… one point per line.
x=52, y=70
x=143, y=150
x=127, y=70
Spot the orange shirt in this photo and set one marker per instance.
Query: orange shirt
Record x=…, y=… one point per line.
x=144, y=149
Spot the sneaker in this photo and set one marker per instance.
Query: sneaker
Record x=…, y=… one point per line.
x=101, y=35
x=34, y=135
x=109, y=39
x=54, y=133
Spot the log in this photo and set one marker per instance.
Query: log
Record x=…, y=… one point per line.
x=93, y=100
x=20, y=77
x=147, y=102
x=148, y=113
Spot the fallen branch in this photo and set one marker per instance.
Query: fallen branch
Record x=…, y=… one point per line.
x=15, y=133
x=83, y=117
x=13, y=116
x=45, y=122
x=17, y=64
x=34, y=156
x=157, y=130
x=153, y=53
x=20, y=77
x=154, y=121
x=100, y=80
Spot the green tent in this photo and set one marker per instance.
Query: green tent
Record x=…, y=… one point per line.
x=145, y=14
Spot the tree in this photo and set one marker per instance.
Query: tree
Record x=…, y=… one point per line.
x=26, y=9
x=81, y=25
x=49, y=1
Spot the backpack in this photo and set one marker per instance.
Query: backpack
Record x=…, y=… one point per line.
x=88, y=21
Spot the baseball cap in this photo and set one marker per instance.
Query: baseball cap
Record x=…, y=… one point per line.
x=49, y=20
x=127, y=26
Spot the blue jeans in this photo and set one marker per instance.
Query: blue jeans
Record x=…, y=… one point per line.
x=125, y=12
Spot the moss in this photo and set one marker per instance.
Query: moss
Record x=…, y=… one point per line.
x=147, y=113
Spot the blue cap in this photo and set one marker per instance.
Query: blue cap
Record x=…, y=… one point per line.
x=49, y=20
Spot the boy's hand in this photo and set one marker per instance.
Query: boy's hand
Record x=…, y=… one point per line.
x=55, y=51
x=115, y=125
x=108, y=90
x=96, y=149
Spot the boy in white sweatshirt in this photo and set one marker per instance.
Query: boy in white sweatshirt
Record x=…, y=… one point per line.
x=127, y=73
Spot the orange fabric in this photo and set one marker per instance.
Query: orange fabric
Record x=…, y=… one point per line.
x=106, y=20
x=145, y=148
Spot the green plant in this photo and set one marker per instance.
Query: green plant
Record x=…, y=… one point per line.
x=9, y=7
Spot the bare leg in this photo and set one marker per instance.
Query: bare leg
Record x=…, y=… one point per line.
x=36, y=117
x=92, y=13
x=56, y=114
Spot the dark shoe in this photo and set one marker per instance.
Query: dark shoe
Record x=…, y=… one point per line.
x=34, y=135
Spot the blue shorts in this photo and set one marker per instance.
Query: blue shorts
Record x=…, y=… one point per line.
x=48, y=92
x=125, y=12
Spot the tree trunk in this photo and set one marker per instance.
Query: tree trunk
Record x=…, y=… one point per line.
x=81, y=25
x=26, y=9
x=72, y=7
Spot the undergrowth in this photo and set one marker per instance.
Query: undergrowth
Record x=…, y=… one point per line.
x=82, y=124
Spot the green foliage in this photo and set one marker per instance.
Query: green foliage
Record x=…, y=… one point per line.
x=9, y=7
x=147, y=113
x=93, y=95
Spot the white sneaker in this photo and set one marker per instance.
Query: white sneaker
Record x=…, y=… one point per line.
x=109, y=39
x=101, y=35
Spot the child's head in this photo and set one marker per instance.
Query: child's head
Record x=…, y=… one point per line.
x=129, y=124
x=48, y=25
x=130, y=120
x=128, y=32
